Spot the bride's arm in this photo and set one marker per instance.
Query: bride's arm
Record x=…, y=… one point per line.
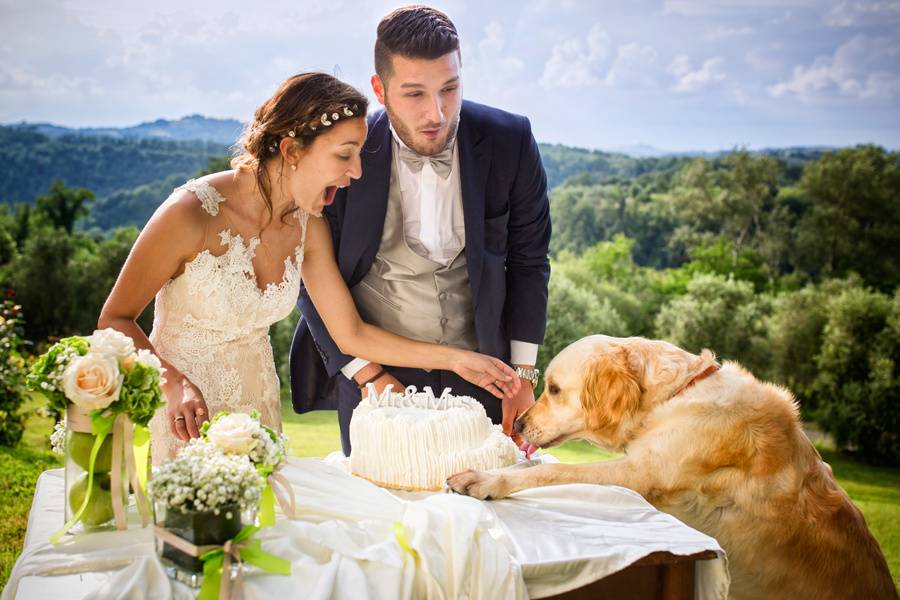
x=174, y=234
x=353, y=336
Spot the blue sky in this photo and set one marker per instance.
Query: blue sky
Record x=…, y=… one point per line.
x=675, y=74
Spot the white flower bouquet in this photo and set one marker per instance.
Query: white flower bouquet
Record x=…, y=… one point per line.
x=203, y=478
x=108, y=392
x=203, y=498
x=244, y=434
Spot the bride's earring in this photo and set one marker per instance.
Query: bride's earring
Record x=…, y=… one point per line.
x=293, y=167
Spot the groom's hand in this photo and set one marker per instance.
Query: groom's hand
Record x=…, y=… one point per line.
x=515, y=406
x=386, y=379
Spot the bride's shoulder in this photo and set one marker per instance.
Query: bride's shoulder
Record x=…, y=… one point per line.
x=200, y=198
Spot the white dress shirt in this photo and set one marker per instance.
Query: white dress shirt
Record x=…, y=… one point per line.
x=434, y=226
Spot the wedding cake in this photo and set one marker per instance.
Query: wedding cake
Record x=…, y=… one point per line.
x=415, y=441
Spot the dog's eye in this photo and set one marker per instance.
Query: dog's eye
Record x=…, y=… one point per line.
x=554, y=389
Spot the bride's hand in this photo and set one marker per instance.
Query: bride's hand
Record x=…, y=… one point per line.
x=185, y=408
x=488, y=372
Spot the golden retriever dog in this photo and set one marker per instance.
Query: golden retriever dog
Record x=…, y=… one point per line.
x=713, y=446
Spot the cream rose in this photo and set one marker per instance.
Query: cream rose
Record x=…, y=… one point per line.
x=234, y=433
x=112, y=343
x=92, y=381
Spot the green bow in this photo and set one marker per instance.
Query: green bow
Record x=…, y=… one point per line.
x=217, y=562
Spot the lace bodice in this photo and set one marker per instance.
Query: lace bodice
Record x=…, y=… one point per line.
x=212, y=323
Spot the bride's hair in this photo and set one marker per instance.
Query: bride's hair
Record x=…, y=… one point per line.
x=302, y=108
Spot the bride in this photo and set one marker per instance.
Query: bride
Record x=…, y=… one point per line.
x=223, y=254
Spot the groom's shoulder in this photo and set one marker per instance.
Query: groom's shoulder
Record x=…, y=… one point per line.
x=371, y=118
x=492, y=119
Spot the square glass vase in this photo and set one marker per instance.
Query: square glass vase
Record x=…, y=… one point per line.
x=200, y=529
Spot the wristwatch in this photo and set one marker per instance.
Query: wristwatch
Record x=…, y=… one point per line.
x=529, y=375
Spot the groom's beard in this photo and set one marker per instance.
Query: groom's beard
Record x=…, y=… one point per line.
x=407, y=135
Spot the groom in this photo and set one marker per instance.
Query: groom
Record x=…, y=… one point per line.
x=443, y=239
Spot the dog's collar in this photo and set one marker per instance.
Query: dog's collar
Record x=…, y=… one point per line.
x=703, y=375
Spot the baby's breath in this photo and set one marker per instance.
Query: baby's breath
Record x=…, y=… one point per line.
x=205, y=479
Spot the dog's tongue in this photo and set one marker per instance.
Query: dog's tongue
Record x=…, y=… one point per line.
x=528, y=449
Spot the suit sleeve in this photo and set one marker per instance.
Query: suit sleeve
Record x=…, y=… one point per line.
x=333, y=358
x=528, y=263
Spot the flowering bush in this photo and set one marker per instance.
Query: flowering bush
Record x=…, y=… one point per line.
x=12, y=373
x=204, y=478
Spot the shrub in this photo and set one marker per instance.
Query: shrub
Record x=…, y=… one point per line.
x=857, y=388
x=722, y=314
x=12, y=373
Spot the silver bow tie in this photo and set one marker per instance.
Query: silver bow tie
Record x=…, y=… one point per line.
x=441, y=162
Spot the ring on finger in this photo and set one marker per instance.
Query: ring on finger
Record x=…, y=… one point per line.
x=179, y=418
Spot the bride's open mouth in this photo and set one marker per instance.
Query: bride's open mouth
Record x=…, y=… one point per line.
x=328, y=195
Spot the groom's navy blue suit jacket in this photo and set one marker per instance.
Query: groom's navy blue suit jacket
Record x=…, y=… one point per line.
x=507, y=229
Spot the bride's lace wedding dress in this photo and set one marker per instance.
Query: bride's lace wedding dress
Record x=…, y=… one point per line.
x=212, y=323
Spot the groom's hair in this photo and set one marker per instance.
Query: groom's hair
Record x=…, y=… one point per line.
x=413, y=32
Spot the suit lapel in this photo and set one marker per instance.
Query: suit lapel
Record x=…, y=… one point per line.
x=474, y=164
x=367, y=201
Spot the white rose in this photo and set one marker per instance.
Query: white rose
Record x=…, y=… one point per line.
x=112, y=342
x=148, y=359
x=92, y=381
x=234, y=433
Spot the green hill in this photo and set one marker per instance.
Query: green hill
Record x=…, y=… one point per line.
x=32, y=160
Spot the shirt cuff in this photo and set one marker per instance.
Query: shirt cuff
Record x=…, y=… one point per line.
x=353, y=367
x=522, y=353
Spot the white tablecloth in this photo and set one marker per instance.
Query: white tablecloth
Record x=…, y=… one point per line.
x=535, y=544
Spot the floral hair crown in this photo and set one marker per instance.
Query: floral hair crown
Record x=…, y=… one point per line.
x=325, y=120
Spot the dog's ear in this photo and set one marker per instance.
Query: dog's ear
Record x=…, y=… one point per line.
x=611, y=389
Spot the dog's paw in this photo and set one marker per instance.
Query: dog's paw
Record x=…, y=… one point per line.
x=478, y=484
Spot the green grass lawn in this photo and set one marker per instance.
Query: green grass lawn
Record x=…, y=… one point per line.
x=875, y=490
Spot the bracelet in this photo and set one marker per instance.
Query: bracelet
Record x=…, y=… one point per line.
x=373, y=379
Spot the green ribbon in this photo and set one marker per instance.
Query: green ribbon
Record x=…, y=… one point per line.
x=250, y=551
x=267, y=507
x=142, y=453
x=101, y=425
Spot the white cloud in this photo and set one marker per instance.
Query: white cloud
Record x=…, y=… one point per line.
x=764, y=60
x=721, y=33
x=491, y=72
x=868, y=12
x=574, y=63
x=635, y=65
x=694, y=8
x=863, y=68
x=691, y=80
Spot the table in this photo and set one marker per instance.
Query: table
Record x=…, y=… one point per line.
x=578, y=540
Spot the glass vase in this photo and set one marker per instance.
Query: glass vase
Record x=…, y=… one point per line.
x=198, y=528
x=98, y=513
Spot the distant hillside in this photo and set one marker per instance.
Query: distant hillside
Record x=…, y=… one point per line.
x=192, y=127
x=563, y=162
x=131, y=170
x=30, y=161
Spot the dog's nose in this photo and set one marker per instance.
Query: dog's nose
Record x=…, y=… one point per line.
x=519, y=424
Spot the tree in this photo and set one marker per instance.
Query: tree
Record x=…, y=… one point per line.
x=795, y=330
x=573, y=313
x=63, y=206
x=39, y=274
x=735, y=199
x=852, y=222
x=858, y=384
x=722, y=314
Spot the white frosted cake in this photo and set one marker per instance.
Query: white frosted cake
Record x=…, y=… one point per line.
x=414, y=441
